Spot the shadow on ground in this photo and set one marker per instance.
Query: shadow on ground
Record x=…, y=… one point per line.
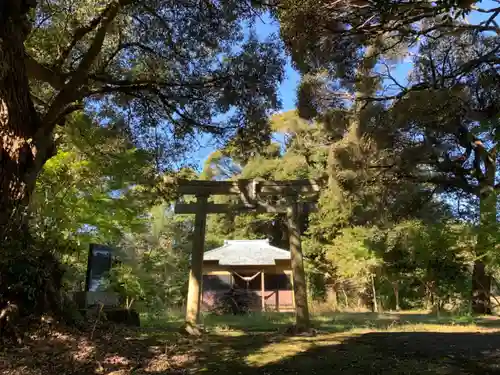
x=148, y=351
x=371, y=353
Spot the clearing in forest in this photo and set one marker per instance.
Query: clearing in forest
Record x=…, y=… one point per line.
x=353, y=343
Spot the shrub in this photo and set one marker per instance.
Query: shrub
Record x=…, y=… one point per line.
x=236, y=301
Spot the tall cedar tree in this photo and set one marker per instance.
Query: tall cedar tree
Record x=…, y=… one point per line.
x=437, y=129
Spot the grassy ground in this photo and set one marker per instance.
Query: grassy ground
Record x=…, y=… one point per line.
x=330, y=322
x=347, y=343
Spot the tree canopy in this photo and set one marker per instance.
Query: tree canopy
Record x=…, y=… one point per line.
x=161, y=71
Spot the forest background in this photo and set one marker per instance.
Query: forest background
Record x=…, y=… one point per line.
x=394, y=107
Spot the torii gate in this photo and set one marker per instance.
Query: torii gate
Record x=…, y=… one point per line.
x=252, y=195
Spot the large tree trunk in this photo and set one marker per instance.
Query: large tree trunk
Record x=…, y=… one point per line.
x=24, y=147
x=332, y=298
x=481, y=285
x=481, y=280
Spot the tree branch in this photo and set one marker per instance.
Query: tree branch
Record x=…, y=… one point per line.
x=42, y=73
x=118, y=84
x=490, y=57
x=444, y=182
x=188, y=119
x=71, y=91
x=78, y=35
x=78, y=76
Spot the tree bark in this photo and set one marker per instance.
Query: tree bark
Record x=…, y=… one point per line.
x=481, y=280
x=481, y=284
x=331, y=296
x=346, y=300
x=485, y=169
x=24, y=147
x=299, y=278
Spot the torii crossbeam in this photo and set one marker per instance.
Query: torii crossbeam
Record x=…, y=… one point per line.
x=252, y=194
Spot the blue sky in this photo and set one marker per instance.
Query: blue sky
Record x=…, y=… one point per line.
x=287, y=91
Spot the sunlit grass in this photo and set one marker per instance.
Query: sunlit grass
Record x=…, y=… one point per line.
x=326, y=322
x=288, y=347
x=291, y=346
x=346, y=342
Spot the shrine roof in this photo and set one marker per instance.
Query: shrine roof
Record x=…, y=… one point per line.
x=247, y=253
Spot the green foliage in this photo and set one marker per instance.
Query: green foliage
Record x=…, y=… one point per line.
x=347, y=262
x=32, y=275
x=100, y=188
x=155, y=262
x=98, y=179
x=175, y=71
x=95, y=190
x=432, y=258
x=128, y=283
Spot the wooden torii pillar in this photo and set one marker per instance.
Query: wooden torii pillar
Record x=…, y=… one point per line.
x=252, y=194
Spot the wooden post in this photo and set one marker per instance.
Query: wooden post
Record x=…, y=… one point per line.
x=395, y=287
x=299, y=277
x=374, y=294
x=262, y=291
x=196, y=272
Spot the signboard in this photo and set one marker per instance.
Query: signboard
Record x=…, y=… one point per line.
x=100, y=260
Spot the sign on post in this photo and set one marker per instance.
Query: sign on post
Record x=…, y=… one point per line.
x=100, y=260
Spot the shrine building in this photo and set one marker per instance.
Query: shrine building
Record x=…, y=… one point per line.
x=252, y=265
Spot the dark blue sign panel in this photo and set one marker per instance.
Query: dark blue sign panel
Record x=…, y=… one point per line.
x=99, y=264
